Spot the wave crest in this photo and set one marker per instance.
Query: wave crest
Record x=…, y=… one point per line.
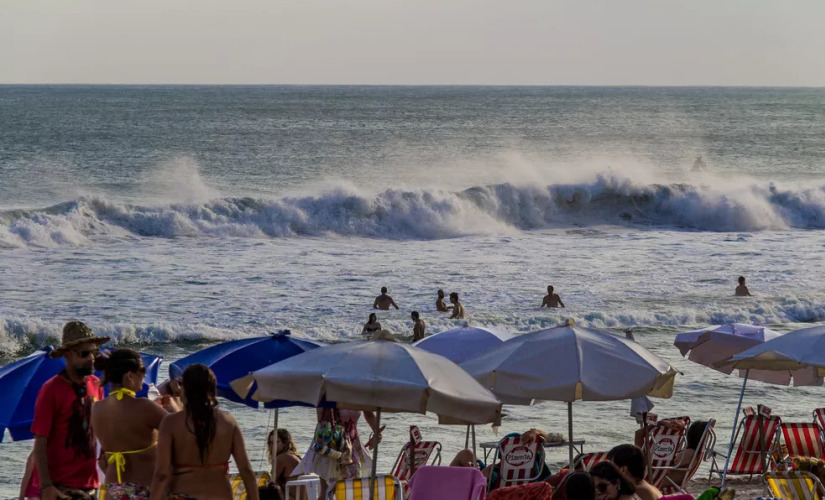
x=429, y=214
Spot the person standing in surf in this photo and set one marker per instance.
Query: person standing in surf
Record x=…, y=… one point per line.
x=552, y=299
x=419, y=328
x=384, y=301
x=742, y=289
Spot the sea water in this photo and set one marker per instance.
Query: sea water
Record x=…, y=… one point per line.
x=171, y=218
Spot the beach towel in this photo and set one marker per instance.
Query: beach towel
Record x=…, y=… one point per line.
x=530, y=491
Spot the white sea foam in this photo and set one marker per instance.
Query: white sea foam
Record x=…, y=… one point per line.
x=610, y=199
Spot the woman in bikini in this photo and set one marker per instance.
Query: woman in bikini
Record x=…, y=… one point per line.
x=126, y=427
x=194, y=446
x=372, y=325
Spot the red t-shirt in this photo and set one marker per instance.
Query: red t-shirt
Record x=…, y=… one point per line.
x=55, y=405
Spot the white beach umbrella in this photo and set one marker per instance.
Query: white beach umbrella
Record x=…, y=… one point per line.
x=797, y=357
x=570, y=363
x=378, y=375
x=463, y=343
x=710, y=345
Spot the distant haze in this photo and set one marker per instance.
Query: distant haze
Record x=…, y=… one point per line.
x=518, y=42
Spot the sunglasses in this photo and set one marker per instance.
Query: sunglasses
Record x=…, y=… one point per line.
x=87, y=353
x=602, y=487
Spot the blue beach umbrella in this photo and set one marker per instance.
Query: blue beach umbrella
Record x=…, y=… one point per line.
x=460, y=344
x=238, y=358
x=21, y=380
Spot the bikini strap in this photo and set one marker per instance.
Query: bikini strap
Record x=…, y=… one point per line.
x=119, y=393
x=118, y=458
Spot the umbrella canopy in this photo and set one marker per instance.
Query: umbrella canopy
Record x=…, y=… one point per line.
x=375, y=375
x=461, y=344
x=799, y=355
x=569, y=363
x=713, y=344
x=237, y=358
x=21, y=380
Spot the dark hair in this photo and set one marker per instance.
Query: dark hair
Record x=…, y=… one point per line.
x=200, y=389
x=579, y=486
x=695, y=433
x=269, y=492
x=632, y=457
x=372, y=317
x=283, y=436
x=383, y=289
x=550, y=288
x=610, y=473
x=741, y=279
x=454, y=295
x=440, y=292
x=414, y=315
x=117, y=364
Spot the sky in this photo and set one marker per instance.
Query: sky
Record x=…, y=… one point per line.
x=415, y=42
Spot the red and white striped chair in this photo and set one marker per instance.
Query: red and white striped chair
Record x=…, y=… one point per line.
x=663, y=444
x=747, y=457
x=704, y=451
x=819, y=419
x=584, y=461
x=426, y=453
x=516, y=462
x=802, y=440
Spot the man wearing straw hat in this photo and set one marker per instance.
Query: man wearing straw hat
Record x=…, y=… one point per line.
x=64, y=443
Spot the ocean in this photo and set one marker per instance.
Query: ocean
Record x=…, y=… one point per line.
x=174, y=217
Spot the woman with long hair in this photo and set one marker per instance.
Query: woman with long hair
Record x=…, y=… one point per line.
x=126, y=426
x=286, y=456
x=372, y=325
x=194, y=446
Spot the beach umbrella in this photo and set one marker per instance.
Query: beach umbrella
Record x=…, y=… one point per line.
x=21, y=380
x=459, y=345
x=714, y=344
x=571, y=363
x=463, y=343
x=797, y=357
x=376, y=375
x=237, y=358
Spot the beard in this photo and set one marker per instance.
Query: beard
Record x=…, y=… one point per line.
x=84, y=371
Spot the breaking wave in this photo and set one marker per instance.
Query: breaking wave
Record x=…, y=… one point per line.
x=429, y=214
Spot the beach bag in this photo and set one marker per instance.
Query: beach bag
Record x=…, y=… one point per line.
x=332, y=440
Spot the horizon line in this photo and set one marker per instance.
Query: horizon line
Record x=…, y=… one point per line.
x=523, y=85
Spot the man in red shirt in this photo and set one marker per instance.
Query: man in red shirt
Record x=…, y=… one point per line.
x=64, y=443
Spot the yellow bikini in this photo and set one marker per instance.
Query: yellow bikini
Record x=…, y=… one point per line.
x=118, y=458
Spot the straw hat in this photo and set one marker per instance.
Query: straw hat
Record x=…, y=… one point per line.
x=76, y=333
x=383, y=335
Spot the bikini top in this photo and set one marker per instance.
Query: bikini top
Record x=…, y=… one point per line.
x=118, y=458
x=373, y=328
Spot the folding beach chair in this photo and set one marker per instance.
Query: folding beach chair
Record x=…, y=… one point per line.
x=819, y=420
x=238, y=488
x=801, y=440
x=794, y=485
x=432, y=482
x=746, y=460
x=704, y=451
x=516, y=462
x=387, y=487
x=726, y=493
x=426, y=453
x=584, y=461
x=663, y=443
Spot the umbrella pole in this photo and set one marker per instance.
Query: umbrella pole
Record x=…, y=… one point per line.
x=275, y=450
x=467, y=438
x=735, y=423
x=647, y=450
x=474, y=441
x=373, y=482
x=570, y=432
